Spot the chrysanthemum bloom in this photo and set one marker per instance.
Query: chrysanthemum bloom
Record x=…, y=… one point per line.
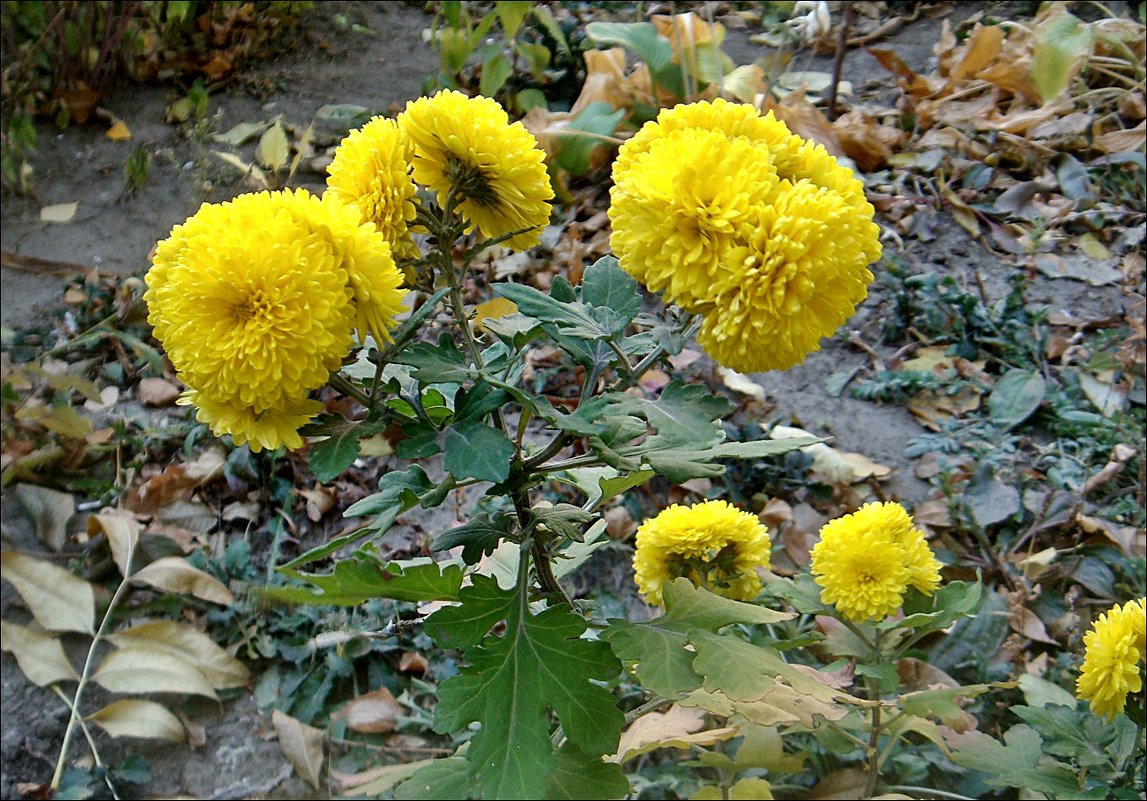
x=255, y=301
x=688, y=200
x=713, y=544
x=866, y=561
x=1114, y=647
x=792, y=274
x=495, y=169
x=371, y=170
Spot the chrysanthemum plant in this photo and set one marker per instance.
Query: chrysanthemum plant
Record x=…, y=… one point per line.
x=760, y=242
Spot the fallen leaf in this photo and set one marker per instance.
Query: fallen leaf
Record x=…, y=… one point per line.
x=274, y=150
x=175, y=574
x=57, y=599
x=241, y=133
x=302, y=746
x=59, y=213
x=1109, y=398
x=375, y=712
x=1024, y=621
x=119, y=132
x=122, y=532
x=679, y=727
x=1131, y=540
x=134, y=718
x=40, y=656
x=741, y=383
x=157, y=392
x=138, y=670
x=1077, y=266
x=412, y=662
x=50, y=510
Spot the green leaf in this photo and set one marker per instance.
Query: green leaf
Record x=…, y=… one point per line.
x=1019, y=762
x=478, y=536
x=495, y=70
x=334, y=454
x=688, y=606
x=571, y=317
x=640, y=37
x=577, y=775
x=1016, y=396
x=510, y=14
x=485, y=603
x=540, y=662
x=1062, y=44
x=399, y=490
x=546, y=18
x=565, y=520
x=355, y=580
x=585, y=133
x=684, y=414
x=954, y=600
x=990, y=500
x=475, y=450
x=606, y=286
x=447, y=778
x=443, y=363
x=942, y=703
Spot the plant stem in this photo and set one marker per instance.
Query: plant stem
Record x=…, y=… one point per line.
x=873, y=750
x=86, y=673
x=345, y=386
x=88, y=736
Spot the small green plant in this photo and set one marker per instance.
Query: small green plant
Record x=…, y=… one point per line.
x=136, y=170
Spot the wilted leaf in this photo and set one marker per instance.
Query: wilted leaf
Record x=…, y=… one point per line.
x=741, y=383
x=745, y=789
x=991, y=501
x=376, y=781
x=157, y=392
x=274, y=149
x=134, y=718
x=238, y=134
x=372, y=713
x=1077, y=266
x=122, y=532
x=220, y=668
x=1062, y=44
x=492, y=310
x=50, y=510
x=58, y=213
x=40, y=656
x=57, y=599
x=1109, y=398
x=302, y=746
x=676, y=728
x=175, y=574
x=139, y=670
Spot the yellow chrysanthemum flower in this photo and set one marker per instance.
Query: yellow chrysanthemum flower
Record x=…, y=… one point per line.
x=773, y=286
x=1114, y=647
x=713, y=544
x=371, y=170
x=796, y=278
x=687, y=201
x=866, y=561
x=255, y=301
x=495, y=169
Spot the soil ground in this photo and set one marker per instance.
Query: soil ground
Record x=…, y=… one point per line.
x=335, y=64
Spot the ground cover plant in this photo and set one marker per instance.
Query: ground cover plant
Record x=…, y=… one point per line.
x=400, y=461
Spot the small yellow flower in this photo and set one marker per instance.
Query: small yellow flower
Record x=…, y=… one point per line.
x=371, y=170
x=495, y=169
x=866, y=561
x=713, y=544
x=1114, y=647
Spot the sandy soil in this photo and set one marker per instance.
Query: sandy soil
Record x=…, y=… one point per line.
x=114, y=234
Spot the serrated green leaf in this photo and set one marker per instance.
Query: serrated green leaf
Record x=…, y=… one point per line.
x=510, y=14
x=330, y=457
x=942, y=703
x=1071, y=732
x=688, y=606
x=564, y=519
x=954, y=600
x=1019, y=762
x=684, y=414
x=540, y=662
x=435, y=364
x=483, y=605
x=355, y=580
x=572, y=318
x=606, y=285
x=577, y=776
x=473, y=449
x=661, y=662
x=478, y=536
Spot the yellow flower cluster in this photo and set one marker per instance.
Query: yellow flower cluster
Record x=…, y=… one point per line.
x=734, y=217
x=713, y=544
x=1114, y=647
x=866, y=561
x=256, y=300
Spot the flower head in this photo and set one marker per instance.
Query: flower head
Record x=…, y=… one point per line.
x=495, y=169
x=255, y=301
x=713, y=544
x=737, y=218
x=371, y=171
x=1114, y=647
x=866, y=561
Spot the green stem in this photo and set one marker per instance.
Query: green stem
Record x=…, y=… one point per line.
x=859, y=632
x=873, y=748
x=89, y=661
x=687, y=325
x=846, y=734
x=346, y=387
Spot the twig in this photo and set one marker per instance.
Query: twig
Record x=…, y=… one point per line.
x=838, y=59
